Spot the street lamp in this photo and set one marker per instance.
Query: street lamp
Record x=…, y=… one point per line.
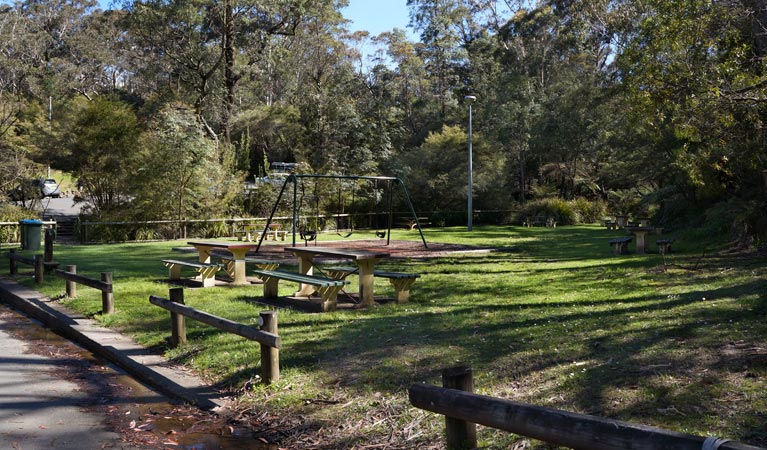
x=470, y=99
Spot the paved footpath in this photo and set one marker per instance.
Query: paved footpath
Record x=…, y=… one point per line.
x=40, y=410
x=152, y=369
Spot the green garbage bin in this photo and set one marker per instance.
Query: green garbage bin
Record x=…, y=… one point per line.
x=31, y=230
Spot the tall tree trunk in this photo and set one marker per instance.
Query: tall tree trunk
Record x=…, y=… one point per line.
x=230, y=77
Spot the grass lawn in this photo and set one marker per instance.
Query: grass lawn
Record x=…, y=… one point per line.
x=550, y=317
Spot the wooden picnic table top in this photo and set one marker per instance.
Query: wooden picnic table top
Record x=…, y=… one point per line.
x=222, y=244
x=351, y=253
x=272, y=226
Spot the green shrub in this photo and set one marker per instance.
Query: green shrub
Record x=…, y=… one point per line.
x=12, y=213
x=590, y=211
x=561, y=211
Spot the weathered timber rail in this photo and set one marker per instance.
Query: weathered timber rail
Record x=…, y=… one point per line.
x=104, y=285
x=266, y=336
x=463, y=410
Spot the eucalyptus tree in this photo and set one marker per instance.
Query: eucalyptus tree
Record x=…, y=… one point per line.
x=102, y=137
x=694, y=71
x=176, y=170
x=200, y=51
x=441, y=24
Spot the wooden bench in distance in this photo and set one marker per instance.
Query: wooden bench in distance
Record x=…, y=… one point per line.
x=263, y=264
x=400, y=280
x=327, y=287
x=412, y=224
x=664, y=245
x=620, y=245
x=207, y=271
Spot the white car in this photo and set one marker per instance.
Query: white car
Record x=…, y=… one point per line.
x=49, y=188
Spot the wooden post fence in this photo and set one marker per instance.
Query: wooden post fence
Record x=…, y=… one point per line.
x=270, y=356
x=71, y=289
x=177, y=321
x=460, y=434
x=266, y=336
x=39, y=268
x=36, y=262
x=571, y=430
x=105, y=285
x=50, y=233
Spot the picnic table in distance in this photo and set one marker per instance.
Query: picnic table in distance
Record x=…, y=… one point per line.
x=641, y=234
x=252, y=231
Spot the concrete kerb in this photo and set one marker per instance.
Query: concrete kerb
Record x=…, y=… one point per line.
x=151, y=369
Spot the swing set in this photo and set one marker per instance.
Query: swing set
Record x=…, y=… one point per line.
x=308, y=234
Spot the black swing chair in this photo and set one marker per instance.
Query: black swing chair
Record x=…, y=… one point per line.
x=341, y=211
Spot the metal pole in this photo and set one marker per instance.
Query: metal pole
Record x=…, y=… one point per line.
x=274, y=210
x=470, y=99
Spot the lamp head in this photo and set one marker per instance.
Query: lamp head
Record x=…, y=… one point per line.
x=470, y=98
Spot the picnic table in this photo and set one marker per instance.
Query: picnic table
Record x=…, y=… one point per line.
x=237, y=249
x=365, y=260
x=621, y=220
x=640, y=233
x=252, y=231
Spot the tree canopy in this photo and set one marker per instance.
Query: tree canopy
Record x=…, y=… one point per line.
x=656, y=104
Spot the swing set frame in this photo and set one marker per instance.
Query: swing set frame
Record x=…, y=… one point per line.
x=294, y=177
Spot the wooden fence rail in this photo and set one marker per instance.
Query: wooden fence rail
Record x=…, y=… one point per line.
x=104, y=285
x=266, y=336
x=578, y=431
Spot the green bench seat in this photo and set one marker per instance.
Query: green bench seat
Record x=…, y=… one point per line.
x=400, y=280
x=263, y=264
x=620, y=245
x=664, y=245
x=327, y=287
x=207, y=271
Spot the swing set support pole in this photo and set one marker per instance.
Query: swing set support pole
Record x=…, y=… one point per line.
x=274, y=210
x=412, y=211
x=391, y=214
x=295, y=202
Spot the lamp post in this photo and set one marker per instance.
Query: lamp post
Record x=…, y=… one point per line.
x=470, y=99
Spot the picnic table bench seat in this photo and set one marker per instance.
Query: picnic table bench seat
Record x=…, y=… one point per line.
x=620, y=245
x=261, y=263
x=327, y=287
x=401, y=281
x=664, y=245
x=207, y=271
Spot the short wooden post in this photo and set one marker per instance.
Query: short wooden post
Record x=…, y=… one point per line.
x=177, y=321
x=39, y=267
x=12, y=264
x=270, y=356
x=48, y=248
x=71, y=285
x=107, y=298
x=461, y=435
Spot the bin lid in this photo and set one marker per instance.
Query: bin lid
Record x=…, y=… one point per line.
x=31, y=222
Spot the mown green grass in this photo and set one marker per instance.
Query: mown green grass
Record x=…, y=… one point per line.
x=550, y=317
